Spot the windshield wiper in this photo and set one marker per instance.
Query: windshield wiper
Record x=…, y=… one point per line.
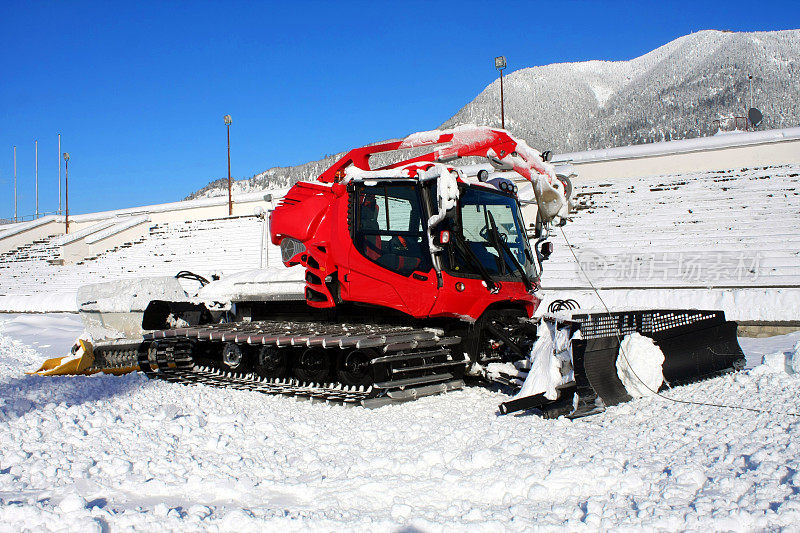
x=505, y=248
x=467, y=252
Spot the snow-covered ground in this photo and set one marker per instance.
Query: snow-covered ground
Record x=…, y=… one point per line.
x=108, y=453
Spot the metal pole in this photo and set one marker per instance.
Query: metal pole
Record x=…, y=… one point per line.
x=261, y=255
x=502, y=107
x=36, y=176
x=15, y=184
x=230, y=198
x=59, y=173
x=750, y=79
x=66, y=191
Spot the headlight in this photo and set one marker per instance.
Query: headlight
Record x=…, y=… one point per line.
x=291, y=248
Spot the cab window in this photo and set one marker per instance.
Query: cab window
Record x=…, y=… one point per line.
x=475, y=225
x=389, y=229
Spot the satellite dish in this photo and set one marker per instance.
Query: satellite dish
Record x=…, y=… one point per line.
x=755, y=117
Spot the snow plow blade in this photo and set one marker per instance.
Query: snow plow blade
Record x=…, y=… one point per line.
x=81, y=362
x=697, y=345
x=74, y=364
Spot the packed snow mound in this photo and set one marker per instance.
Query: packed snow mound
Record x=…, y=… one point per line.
x=795, y=361
x=640, y=365
x=256, y=284
x=127, y=295
x=780, y=362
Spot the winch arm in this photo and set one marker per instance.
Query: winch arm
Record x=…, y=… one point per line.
x=503, y=151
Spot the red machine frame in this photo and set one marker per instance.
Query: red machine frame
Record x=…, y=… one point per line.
x=317, y=215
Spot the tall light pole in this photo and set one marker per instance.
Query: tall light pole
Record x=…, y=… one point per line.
x=15, y=184
x=66, y=190
x=750, y=81
x=59, y=173
x=228, y=121
x=36, y=175
x=500, y=64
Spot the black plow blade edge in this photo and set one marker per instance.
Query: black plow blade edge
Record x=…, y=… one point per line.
x=697, y=345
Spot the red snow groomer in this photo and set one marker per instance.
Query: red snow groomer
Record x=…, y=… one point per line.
x=417, y=277
x=418, y=236
x=417, y=242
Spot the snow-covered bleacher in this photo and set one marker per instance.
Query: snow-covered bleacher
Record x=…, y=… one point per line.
x=43, y=249
x=717, y=239
x=29, y=280
x=69, y=238
x=116, y=229
x=726, y=239
x=21, y=227
x=13, y=236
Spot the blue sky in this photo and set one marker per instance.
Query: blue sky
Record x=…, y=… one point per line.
x=138, y=90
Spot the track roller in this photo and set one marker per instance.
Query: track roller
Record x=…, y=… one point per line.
x=314, y=364
x=353, y=368
x=233, y=356
x=272, y=362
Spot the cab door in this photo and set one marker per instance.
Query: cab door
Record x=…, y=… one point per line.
x=390, y=262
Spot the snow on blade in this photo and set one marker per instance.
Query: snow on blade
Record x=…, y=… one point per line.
x=782, y=361
x=639, y=365
x=550, y=358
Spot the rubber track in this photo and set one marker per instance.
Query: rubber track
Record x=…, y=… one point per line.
x=172, y=359
x=279, y=333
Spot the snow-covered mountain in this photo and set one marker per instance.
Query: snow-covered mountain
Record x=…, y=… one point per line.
x=674, y=92
x=273, y=178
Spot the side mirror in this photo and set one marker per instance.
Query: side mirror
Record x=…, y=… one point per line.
x=545, y=250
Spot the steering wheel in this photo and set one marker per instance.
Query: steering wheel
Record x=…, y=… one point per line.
x=484, y=233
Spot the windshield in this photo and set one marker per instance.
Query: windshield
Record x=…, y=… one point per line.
x=476, y=226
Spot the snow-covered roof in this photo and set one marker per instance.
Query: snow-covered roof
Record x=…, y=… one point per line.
x=682, y=146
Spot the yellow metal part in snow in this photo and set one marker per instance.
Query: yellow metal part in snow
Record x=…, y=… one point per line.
x=74, y=365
